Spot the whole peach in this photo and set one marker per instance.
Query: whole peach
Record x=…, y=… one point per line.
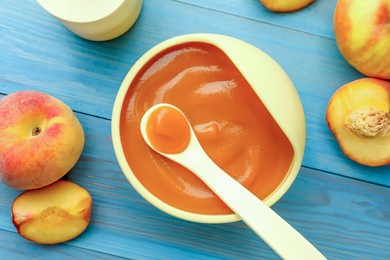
x=362, y=30
x=41, y=139
x=286, y=5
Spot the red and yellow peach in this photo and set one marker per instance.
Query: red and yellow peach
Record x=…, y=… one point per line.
x=362, y=30
x=286, y=5
x=41, y=139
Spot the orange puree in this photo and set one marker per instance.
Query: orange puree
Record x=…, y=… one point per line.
x=168, y=130
x=228, y=118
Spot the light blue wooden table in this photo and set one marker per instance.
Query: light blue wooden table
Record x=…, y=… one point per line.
x=343, y=208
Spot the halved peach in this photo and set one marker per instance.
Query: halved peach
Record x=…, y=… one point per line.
x=286, y=5
x=52, y=214
x=359, y=116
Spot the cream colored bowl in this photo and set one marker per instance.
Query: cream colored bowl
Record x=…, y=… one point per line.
x=96, y=20
x=270, y=83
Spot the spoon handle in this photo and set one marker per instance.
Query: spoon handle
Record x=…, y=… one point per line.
x=274, y=230
x=287, y=242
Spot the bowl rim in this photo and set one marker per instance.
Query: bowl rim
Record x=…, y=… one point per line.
x=225, y=43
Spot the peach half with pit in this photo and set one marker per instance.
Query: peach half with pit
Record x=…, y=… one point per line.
x=286, y=5
x=359, y=116
x=53, y=214
x=41, y=139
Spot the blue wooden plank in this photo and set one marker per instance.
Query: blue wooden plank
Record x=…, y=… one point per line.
x=344, y=218
x=42, y=54
x=314, y=19
x=12, y=247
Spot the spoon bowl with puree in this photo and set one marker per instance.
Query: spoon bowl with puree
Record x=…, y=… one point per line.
x=167, y=131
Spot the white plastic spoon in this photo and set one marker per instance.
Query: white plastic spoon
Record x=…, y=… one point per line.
x=274, y=230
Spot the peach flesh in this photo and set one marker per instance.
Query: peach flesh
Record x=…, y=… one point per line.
x=358, y=115
x=52, y=214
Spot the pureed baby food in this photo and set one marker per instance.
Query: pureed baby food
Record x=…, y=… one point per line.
x=227, y=116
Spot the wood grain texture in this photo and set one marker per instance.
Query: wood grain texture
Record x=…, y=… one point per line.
x=342, y=207
x=314, y=19
x=12, y=247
